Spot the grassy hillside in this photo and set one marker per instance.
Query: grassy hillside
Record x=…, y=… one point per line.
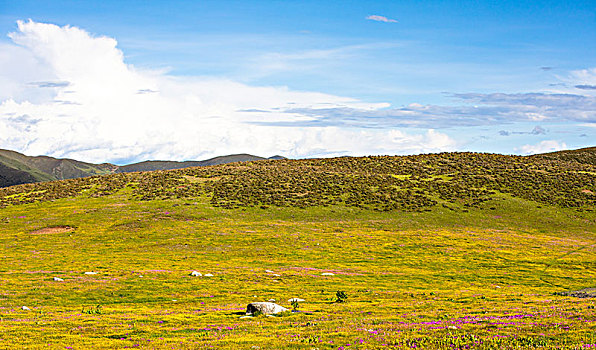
x=439, y=251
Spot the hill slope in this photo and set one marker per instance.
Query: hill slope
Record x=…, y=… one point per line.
x=43, y=168
x=582, y=155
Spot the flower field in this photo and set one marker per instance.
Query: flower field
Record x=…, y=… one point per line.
x=444, y=255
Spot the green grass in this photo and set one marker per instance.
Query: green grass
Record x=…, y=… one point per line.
x=451, y=277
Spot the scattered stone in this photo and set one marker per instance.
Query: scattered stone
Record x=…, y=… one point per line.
x=452, y=327
x=268, y=271
x=26, y=308
x=295, y=299
x=58, y=279
x=582, y=293
x=327, y=274
x=196, y=273
x=208, y=275
x=276, y=275
x=265, y=308
x=271, y=300
x=90, y=273
x=245, y=316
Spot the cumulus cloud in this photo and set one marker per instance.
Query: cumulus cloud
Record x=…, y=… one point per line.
x=543, y=147
x=381, y=19
x=64, y=92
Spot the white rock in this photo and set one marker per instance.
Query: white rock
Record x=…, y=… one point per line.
x=452, y=327
x=268, y=271
x=296, y=299
x=245, y=316
x=208, y=275
x=26, y=308
x=90, y=273
x=265, y=308
x=58, y=279
x=196, y=273
x=271, y=300
x=327, y=274
x=276, y=275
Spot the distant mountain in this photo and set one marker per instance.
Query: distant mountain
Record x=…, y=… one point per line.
x=583, y=155
x=17, y=168
x=151, y=165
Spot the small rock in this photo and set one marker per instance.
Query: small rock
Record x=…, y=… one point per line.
x=208, y=275
x=268, y=271
x=90, y=273
x=58, y=279
x=296, y=299
x=271, y=300
x=26, y=308
x=327, y=274
x=196, y=273
x=245, y=316
x=265, y=308
x=452, y=327
x=276, y=275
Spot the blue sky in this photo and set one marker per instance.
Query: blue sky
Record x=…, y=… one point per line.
x=421, y=76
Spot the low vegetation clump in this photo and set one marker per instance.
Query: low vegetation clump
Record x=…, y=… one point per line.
x=459, y=251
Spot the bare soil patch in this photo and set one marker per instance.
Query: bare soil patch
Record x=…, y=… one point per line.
x=53, y=229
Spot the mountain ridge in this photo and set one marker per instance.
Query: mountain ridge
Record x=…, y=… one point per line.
x=17, y=168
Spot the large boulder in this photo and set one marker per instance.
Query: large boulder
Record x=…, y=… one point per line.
x=265, y=308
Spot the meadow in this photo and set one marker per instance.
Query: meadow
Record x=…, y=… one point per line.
x=450, y=251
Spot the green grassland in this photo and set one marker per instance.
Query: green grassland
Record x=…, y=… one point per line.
x=448, y=251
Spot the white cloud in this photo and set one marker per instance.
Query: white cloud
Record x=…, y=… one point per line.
x=543, y=147
x=381, y=19
x=66, y=93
